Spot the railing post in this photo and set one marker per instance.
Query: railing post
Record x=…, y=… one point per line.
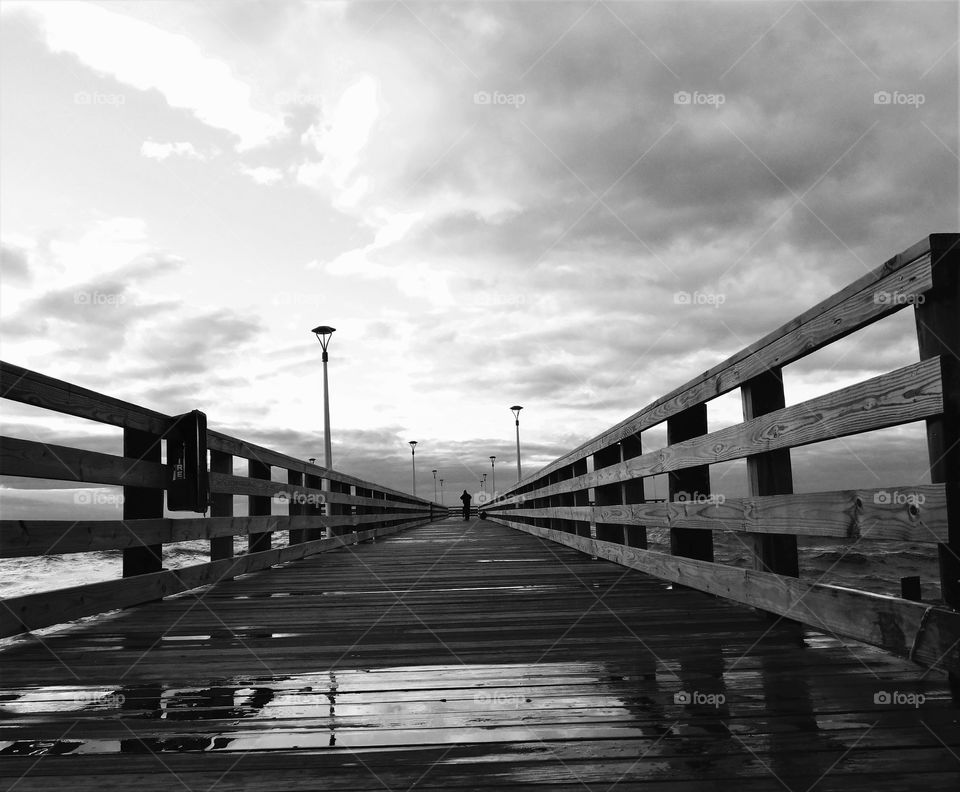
x=313, y=509
x=294, y=506
x=938, y=333
x=609, y=494
x=769, y=473
x=221, y=505
x=632, y=492
x=689, y=542
x=259, y=505
x=142, y=503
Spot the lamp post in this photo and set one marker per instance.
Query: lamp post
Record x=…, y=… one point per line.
x=434, y=486
x=413, y=460
x=516, y=414
x=441, y=492
x=324, y=333
x=493, y=475
x=483, y=480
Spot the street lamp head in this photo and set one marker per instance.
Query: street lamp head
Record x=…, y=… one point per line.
x=323, y=333
x=492, y=457
x=413, y=446
x=312, y=460
x=434, y=471
x=516, y=412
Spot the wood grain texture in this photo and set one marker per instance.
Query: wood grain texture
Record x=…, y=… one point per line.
x=28, y=458
x=914, y=514
x=30, y=387
x=925, y=634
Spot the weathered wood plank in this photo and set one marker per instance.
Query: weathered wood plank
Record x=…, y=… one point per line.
x=926, y=634
x=914, y=514
x=911, y=393
x=27, y=458
x=30, y=387
x=21, y=538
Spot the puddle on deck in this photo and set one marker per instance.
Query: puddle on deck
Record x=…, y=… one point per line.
x=346, y=708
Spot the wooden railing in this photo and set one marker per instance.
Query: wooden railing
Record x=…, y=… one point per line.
x=592, y=498
x=319, y=502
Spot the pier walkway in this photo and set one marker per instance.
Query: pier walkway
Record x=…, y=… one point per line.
x=464, y=656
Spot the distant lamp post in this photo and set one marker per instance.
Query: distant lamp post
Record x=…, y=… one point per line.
x=312, y=460
x=441, y=492
x=493, y=475
x=434, y=486
x=516, y=414
x=483, y=480
x=413, y=460
x=324, y=333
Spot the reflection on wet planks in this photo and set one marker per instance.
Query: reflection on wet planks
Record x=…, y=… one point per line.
x=462, y=657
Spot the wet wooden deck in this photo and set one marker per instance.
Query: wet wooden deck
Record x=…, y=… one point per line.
x=467, y=656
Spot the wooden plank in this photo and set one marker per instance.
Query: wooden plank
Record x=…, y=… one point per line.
x=22, y=538
x=221, y=508
x=34, y=611
x=923, y=633
x=30, y=387
x=907, y=275
x=770, y=473
x=689, y=482
x=911, y=393
x=28, y=458
x=938, y=334
x=142, y=502
x=258, y=506
x=910, y=514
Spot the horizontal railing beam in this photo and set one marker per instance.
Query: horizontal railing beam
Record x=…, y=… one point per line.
x=28, y=458
x=915, y=514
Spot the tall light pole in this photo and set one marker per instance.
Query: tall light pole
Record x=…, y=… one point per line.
x=324, y=333
x=441, y=492
x=413, y=459
x=434, y=485
x=493, y=475
x=483, y=480
x=516, y=414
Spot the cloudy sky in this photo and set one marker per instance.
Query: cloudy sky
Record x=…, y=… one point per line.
x=493, y=203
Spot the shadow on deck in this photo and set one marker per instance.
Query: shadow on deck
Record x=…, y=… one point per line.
x=468, y=656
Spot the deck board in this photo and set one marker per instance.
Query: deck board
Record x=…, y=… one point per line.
x=468, y=656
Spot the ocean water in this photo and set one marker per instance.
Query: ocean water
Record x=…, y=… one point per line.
x=869, y=566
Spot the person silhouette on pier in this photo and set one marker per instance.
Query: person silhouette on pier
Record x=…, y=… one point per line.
x=466, y=504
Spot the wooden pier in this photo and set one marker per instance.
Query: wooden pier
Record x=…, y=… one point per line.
x=464, y=656
x=366, y=640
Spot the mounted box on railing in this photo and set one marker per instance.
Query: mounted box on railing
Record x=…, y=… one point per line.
x=188, y=488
